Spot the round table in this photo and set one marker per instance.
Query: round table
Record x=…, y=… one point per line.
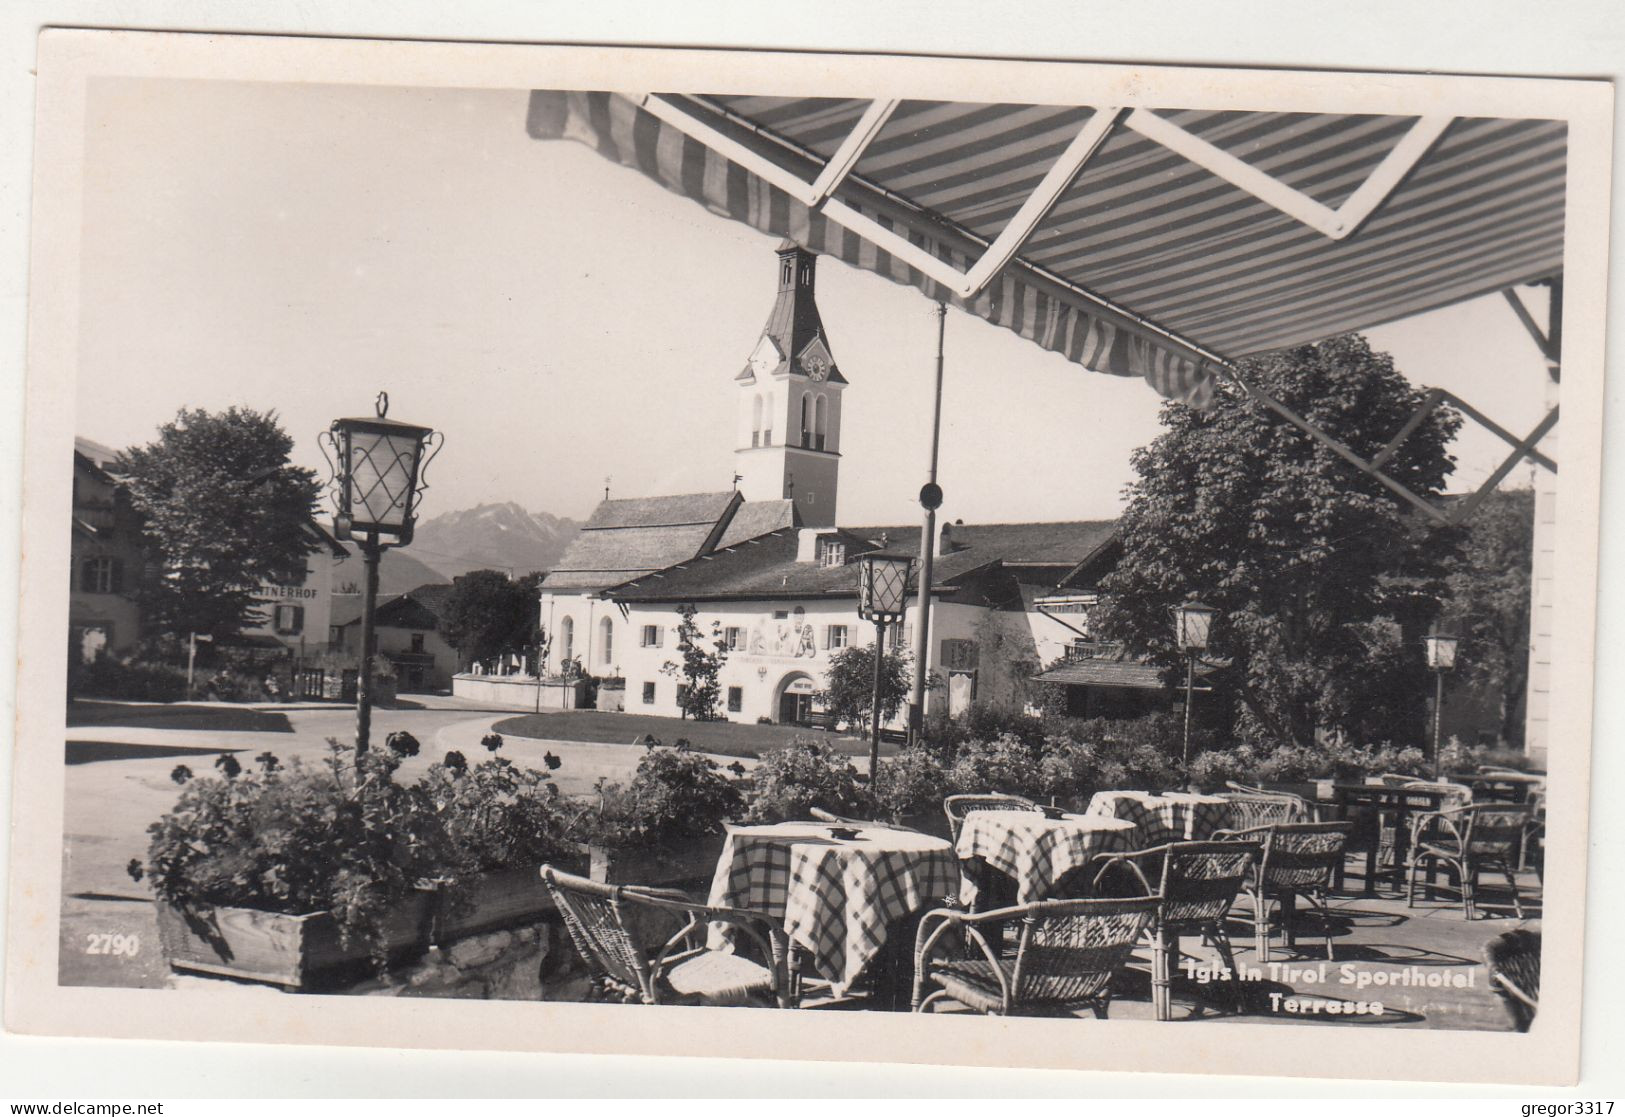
x=1172, y=816
x=837, y=898
x=1038, y=851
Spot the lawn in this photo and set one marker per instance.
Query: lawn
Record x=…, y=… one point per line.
x=726, y=738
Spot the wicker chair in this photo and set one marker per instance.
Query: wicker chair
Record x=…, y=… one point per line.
x=1514, y=963
x=1467, y=840
x=956, y=807
x=1067, y=953
x=1299, y=859
x=682, y=970
x=1534, y=832
x=1253, y=809
x=1195, y=884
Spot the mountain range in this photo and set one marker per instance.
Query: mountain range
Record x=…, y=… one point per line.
x=502, y=537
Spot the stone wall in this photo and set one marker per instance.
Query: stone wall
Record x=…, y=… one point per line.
x=533, y=963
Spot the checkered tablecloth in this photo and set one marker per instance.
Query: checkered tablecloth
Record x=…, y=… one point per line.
x=1174, y=816
x=837, y=899
x=1038, y=851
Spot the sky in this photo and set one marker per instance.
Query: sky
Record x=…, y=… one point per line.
x=563, y=320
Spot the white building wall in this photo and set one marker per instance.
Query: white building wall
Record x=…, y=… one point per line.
x=326, y=574
x=774, y=651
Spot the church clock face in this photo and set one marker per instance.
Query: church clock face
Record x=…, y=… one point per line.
x=815, y=361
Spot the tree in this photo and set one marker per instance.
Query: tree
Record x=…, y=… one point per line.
x=1323, y=579
x=698, y=689
x=488, y=614
x=850, y=694
x=1489, y=603
x=222, y=511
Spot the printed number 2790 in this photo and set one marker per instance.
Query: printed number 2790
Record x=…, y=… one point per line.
x=122, y=946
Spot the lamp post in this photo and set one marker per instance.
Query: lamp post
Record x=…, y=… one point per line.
x=1441, y=656
x=882, y=590
x=377, y=466
x=1191, y=623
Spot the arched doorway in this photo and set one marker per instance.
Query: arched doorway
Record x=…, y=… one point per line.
x=793, y=698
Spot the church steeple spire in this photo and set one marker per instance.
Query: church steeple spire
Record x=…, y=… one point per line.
x=789, y=400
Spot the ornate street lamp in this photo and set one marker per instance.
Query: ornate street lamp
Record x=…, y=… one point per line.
x=882, y=591
x=1191, y=623
x=377, y=483
x=1441, y=657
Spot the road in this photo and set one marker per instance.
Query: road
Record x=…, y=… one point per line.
x=119, y=758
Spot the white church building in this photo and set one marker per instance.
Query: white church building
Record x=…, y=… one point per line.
x=769, y=567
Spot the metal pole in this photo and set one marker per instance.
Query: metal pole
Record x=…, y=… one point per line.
x=191, y=658
x=874, y=705
x=370, y=550
x=1438, y=717
x=928, y=532
x=1190, y=689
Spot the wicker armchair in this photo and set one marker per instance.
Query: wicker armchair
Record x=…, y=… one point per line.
x=1534, y=833
x=1195, y=884
x=1253, y=809
x=1067, y=953
x=1514, y=963
x=682, y=970
x=956, y=807
x=1467, y=840
x=1299, y=859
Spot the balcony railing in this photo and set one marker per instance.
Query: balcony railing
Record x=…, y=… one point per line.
x=1092, y=649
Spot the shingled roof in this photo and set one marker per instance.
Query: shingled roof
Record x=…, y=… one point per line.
x=758, y=517
x=626, y=539
x=766, y=567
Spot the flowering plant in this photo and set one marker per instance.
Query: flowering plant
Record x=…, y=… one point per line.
x=343, y=836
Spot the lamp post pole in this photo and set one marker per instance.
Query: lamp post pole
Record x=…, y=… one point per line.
x=1438, y=717
x=1190, y=691
x=874, y=704
x=371, y=550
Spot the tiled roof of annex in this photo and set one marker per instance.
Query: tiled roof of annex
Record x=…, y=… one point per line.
x=766, y=567
x=626, y=539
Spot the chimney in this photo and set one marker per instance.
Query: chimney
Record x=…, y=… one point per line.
x=807, y=543
x=945, y=540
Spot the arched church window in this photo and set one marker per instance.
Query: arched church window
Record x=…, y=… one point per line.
x=606, y=640
x=567, y=639
x=806, y=418
x=767, y=422
x=756, y=421
x=820, y=423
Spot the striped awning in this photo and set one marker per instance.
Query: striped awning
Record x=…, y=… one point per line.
x=1162, y=244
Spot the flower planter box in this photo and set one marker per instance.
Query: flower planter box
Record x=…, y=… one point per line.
x=502, y=899
x=293, y=951
x=688, y=862
x=305, y=951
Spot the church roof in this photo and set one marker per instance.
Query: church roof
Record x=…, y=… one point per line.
x=758, y=517
x=627, y=539
x=793, y=324
x=766, y=567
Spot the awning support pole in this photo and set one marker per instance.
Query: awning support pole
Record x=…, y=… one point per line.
x=928, y=534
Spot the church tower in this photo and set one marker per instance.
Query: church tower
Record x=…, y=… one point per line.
x=789, y=443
